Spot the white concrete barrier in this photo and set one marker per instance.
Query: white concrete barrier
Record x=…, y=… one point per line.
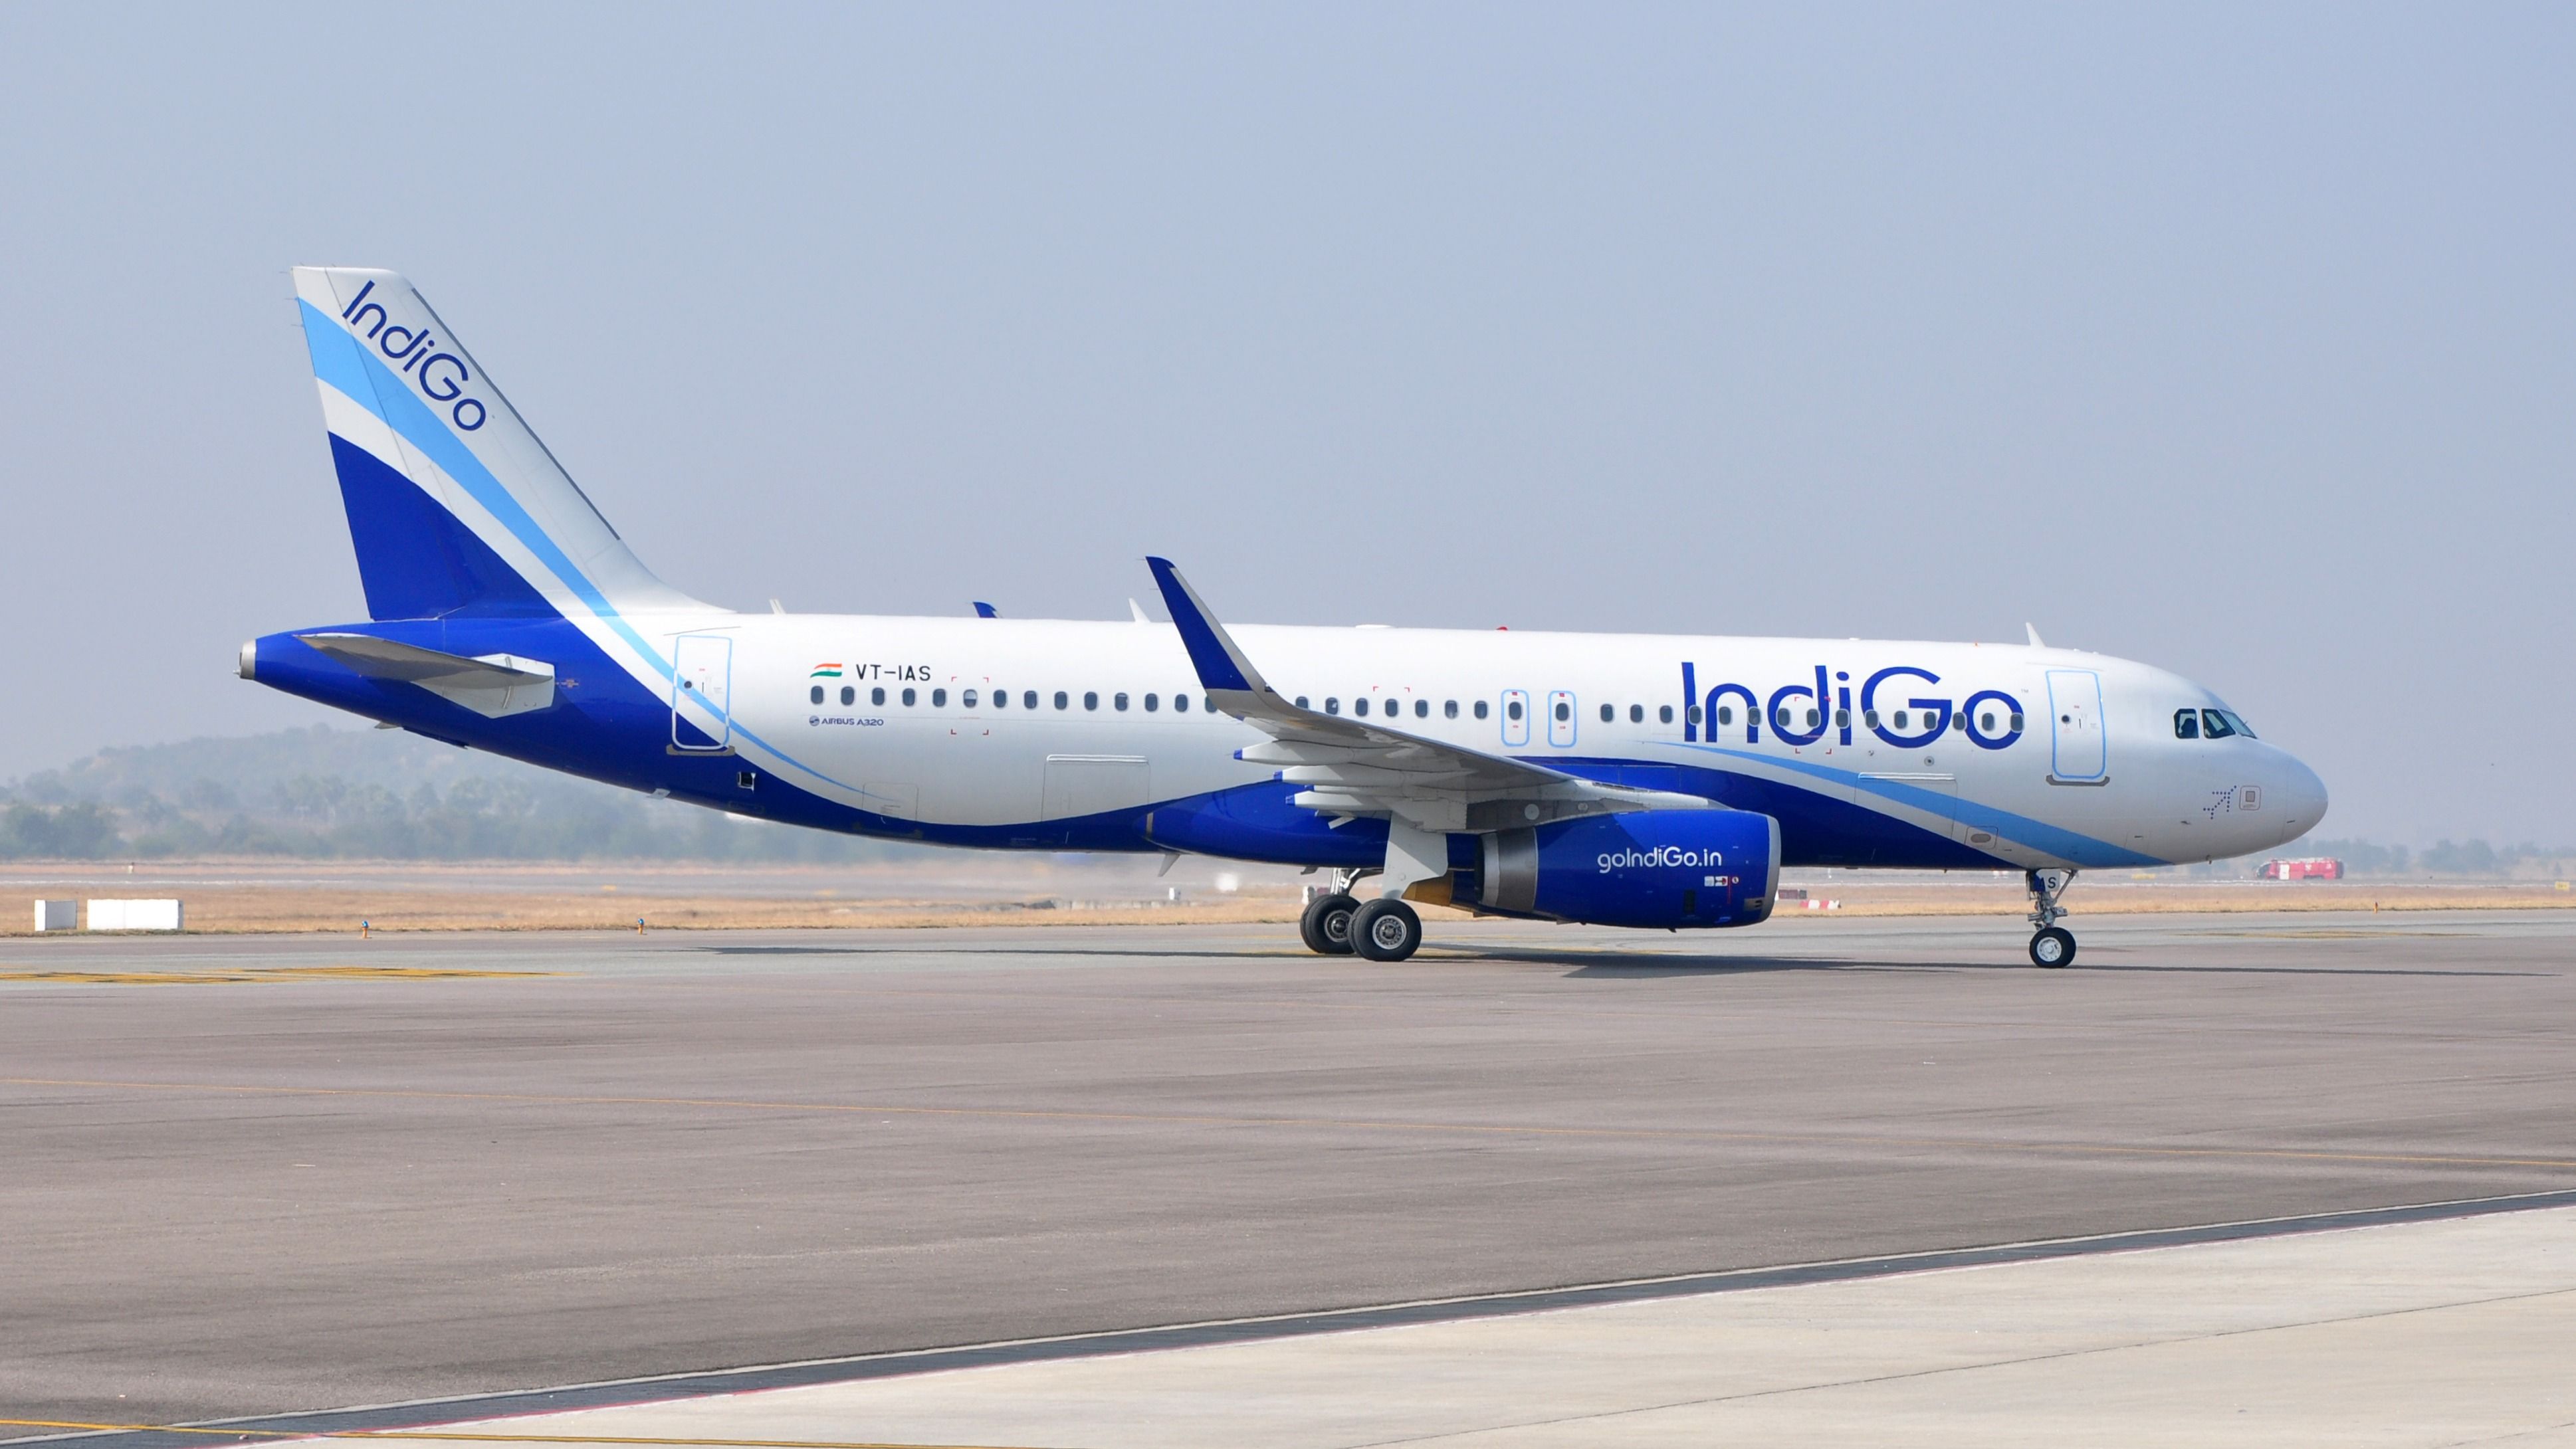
x=57, y=915
x=135, y=916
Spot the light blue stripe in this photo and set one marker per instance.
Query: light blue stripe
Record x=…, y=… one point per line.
x=347, y=364
x=2057, y=840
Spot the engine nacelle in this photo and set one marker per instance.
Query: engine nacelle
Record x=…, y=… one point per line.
x=1654, y=868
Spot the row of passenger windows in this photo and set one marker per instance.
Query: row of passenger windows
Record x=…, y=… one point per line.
x=1001, y=699
x=2221, y=723
x=2209, y=724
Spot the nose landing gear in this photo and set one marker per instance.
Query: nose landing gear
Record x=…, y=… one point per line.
x=2052, y=946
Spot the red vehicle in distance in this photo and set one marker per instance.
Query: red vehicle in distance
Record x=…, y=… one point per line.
x=2315, y=867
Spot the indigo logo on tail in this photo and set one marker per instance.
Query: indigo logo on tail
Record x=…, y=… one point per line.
x=440, y=376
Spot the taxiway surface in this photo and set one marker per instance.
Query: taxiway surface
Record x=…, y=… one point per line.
x=247, y=1175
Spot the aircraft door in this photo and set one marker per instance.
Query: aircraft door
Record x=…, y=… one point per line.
x=1516, y=713
x=1560, y=718
x=2078, y=751
x=701, y=695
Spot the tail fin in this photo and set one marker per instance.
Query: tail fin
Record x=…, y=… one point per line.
x=454, y=506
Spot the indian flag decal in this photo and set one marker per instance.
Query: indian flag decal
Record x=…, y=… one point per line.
x=826, y=671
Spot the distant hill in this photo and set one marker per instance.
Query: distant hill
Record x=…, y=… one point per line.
x=373, y=794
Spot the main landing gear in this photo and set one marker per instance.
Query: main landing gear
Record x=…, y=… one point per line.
x=1340, y=924
x=1327, y=923
x=2054, y=945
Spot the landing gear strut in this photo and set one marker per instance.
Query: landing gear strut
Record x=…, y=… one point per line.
x=2053, y=946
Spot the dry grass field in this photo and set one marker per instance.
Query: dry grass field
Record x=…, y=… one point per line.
x=999, y=890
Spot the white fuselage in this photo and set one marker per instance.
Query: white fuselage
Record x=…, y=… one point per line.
x=2088, y=778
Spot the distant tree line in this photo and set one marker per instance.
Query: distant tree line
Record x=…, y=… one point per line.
x=383, y=795
x=342, y=794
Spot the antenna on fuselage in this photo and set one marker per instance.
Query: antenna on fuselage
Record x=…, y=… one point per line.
x=2033, y=630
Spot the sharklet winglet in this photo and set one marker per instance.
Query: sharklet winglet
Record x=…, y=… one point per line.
x=1220, y=663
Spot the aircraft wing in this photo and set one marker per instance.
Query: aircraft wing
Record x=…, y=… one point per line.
x=1354, y=767
x=491, y=685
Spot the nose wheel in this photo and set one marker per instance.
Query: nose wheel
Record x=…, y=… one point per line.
x=2053, y=946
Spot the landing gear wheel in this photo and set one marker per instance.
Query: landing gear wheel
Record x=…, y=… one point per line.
x=2052, y=947
x=1327, y=924
x=1385, y=930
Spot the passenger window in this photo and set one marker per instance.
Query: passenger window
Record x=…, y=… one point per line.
x=1958, y=724
x=877, y=695
x=1029, y=700
x=1986, y=722
x=2016, y=721
x=907, y=699
x=1814, y=719
x=849, y=695
x=1209, y=703
x=2186, y=724
x=1449, y=709
x=1360, y=705
x=1301, y=702
x=1664, y=714
x=2214, y=725
x=1180, y=703
x=1564, y=711
x=1001, y=699
x=1637, y=714
x=967, y=699
x=1726, y=714
x=1609, y=713
x=1118, y=701
x=1153, y=702
x=815, y=694
x=1091, y=699
x=1480, y=709
x=1422, y=709
x=1842, y=719
x=939, y=699
x=1511, y=710
x=1692, y=714
x=1332, y=704
x=1060, y=699
x=1900, y=719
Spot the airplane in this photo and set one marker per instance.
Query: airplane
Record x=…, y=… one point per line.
x=1639, y=780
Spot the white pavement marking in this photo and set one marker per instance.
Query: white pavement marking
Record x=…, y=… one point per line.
x=2444, y=1333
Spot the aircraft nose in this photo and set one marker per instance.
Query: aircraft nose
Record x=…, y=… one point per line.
x=2301, y=794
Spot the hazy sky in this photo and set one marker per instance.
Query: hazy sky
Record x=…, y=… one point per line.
x=2241, y=340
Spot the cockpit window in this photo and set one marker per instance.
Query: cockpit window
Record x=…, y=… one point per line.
x=2219, y=724
x=2238, y=721
x=2186, y=724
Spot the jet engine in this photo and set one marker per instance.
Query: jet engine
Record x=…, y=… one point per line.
x=1654, y=868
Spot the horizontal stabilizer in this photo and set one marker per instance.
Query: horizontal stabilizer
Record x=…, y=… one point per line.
x=491, y=685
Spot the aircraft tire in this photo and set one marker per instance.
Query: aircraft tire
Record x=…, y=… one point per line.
x=2053, y=948
x=1326, y=925
x=1385, y=930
